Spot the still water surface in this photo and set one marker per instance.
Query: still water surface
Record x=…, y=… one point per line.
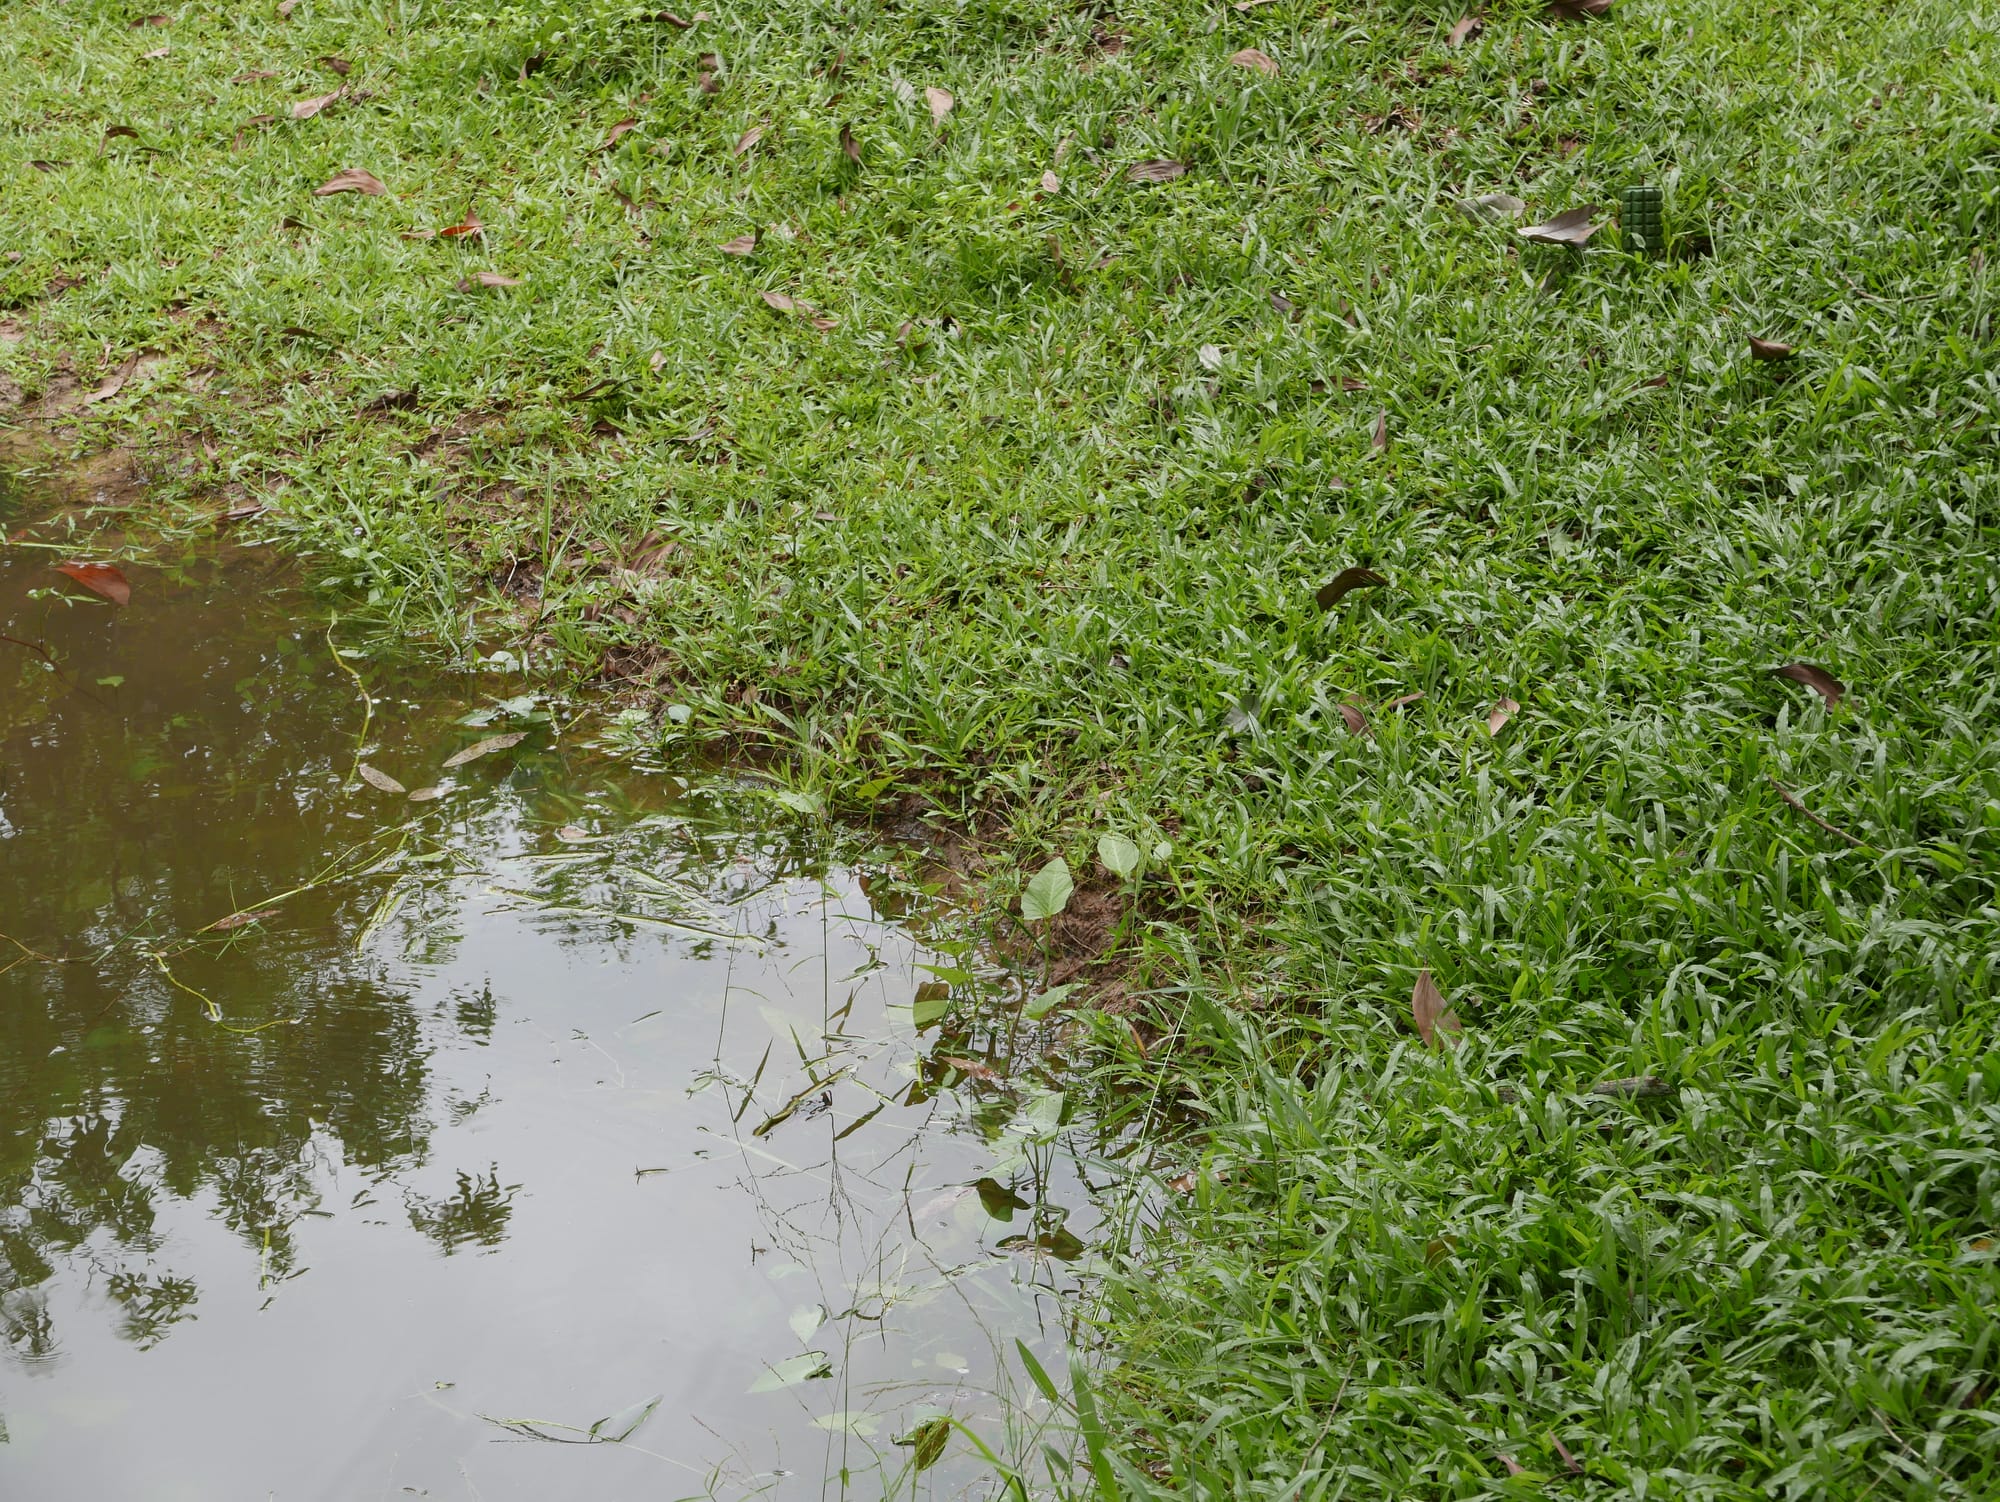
x=564, y=1090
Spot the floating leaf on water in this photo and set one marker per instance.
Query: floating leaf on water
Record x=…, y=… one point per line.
x=928, y=1441
x=623, y=1424
x=972, y=1068
x=1041, y=1118
x=997, y=1200
x=1256, y=61
x=1040, y=1006
x=1467, y=27
x=305, y=109
x=1769, y=349
x=1571, y=227
x=1435, y=1020
x=1048, y=892
x=486, y=747
x=235, y=920
x=105, y=580
x=806, y=1319
x=933, y=1000
x=426, y=795
x=1121, y=856
x=1497, y=717
x=1819, y=680
x=572, y=834
x=941, y=104
x=806, y=1367
x=1492, y=208
x=379, y=779
x=1159, y=170
x=352, y=180
x=848, y=1421
x=1344, y=583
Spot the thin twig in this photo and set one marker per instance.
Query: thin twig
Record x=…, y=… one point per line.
x=1786, y=794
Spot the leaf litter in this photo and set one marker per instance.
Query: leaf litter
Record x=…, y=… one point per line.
x=105, y=580
x=1819, y=680
x=486, y=747
x=1436, y=1022
x=1345, y=583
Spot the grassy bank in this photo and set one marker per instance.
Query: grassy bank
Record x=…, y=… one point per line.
x=993, y=476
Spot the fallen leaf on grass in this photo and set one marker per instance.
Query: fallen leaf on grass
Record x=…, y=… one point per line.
x=152, y=21
x=117, y=132
x=1577, y=10
x=105, y=580
x=1051, y=184
x=113, y=383
x=286, y=7
x=1357, y=722
x=1492, y=208
x=351, y=180
x=41, y=165
x=742, y=245
x=1347, y=580
x=1568, y=1459
x=155, y=54
x=1435, y=1020
x=1405, y=699
x=305, y=109
x=748, y=139
x=1513, y=1466
x=850, y=147
x=495, y=279
x=486, y=747
x=1769, y=349
x=255, y=75
x=1379, y=440
x=379, y=779
x=1158, y=170
x=1183, y=1183
x=1256, y=61
x=972, y=1067
x=1819, y=680
x=471, y=226
x=779, y=302
x=1498, y=716
x=1468, y=27
x=1048, y=892
x=941, y=104
x=1571, y=227
x=338, y=65
x=630, y=123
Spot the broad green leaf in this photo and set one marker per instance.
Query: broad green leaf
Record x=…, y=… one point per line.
x=806, y=1319
x=623, y=1424
x=1048, y=893
x=932, y=1001
x=792, y=1371
x=1040, y=1006
x=849, y=1422
x=928, y=1440
x=1041, y=1118
x=797, y=802
x=1120, y=856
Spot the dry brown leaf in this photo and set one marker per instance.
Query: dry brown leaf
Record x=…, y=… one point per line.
x=1569, y=1461
x=1769, y=349
x=1467, y=28
x=1379, y=439
x=657, y=361
x=675, y=21
x=1357, y=722
x=1819, y=680
x=1405, y=699
x=1347, y=580
x=105, y=580
x=115, y=132
x=631, y=122
x=379, y=779
x=286, y=7
x=849, y=146
x=1513, y=1466
x=113, y=383
x=495, y=279
x=742, y=245
x=1435, y=1020
x=352, y=180
x=1183, y=1183
x=1256, y=61
x=486, y=747
x=973, y=1068
x=1577, y=10
x=305, y=109
x=1051, y=184
x=152, y=21
x=780, y=302
x=1158, y=170
x=420, y=234
x=470, y=226
x=426, y=795
x=338, y=65
x=941, y=104
x=748, y=139
x=1570, y=227
x=255, y=75
x=155, y=54
x=1498, y=716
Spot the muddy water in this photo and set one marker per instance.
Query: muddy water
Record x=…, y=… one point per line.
x=353, y=1146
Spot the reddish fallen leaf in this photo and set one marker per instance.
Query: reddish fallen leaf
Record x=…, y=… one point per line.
x=1657, y=382
x=1379, y=439
x=748, y=139
x=1819, y=680
x=1343, y=583
x=672, y=20
x=338, y=65
x=780, y=302
x=495, y=279
x=351, y=180
x=1568, y=1459
x=1467, y=28
x=1256, y=61
x=973, y=1068
x=1513, y=1466
x=470, y=226
x=305, y=109
x=941, y=104
x=630, y=123
x=1357, y=722
x=1405, y=699
x=1498, y=716
x=742, y=245
x=1159, y=170
x=1571, y=227
x=116, y=132
x=849, y=146
x=105, y=580
x=1435, y=1019
x=379, y=779
x=1769, y=349
x=486, y=747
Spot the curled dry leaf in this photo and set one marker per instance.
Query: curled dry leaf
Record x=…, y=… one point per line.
x=377, y=778
x=1571, y=227
x=352, y=180
x=850, y=147
x=495, y=279
x=1343, y=583
x=742, y=245
x=1283, y=304
x=1158, y=170
x=1819, y=680
x=471, y=226
x=630, y=123
x=1467, y=28
x=105, y=580
x=1769, y=349
x=779, y=302
x=748, y=139
x=941, y=104
x=1379, y=440
x=1256, y=61
x=486, y=747
x=1357, y=722
x=1498, y=716
x=305, y=109
x=1436, y=1021
x=115, y=132
x=1051, y=184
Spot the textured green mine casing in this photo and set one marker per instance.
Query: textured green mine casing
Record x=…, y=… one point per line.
x=1639, y=220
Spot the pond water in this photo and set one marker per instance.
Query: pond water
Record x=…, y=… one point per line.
x=353, y=1146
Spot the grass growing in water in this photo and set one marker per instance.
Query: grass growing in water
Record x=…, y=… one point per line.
x=1023, y=500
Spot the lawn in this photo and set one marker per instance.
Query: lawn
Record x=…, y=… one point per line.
x=965, y=407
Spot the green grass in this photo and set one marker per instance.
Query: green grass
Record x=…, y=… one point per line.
x=1036, y=534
